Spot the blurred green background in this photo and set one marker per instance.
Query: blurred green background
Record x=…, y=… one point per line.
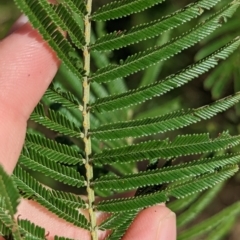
x=220, y=82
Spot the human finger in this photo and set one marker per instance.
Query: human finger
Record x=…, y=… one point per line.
x=27, y=66
x=154, y=223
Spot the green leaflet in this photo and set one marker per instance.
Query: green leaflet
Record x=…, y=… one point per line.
x=123, y=226
x=165, y=175
x=63, y=19
x=178, y=190
x=40, y=20
x=51, y=149
x=31, y=188
x=120, y=8
x=32, y=160
x=6, y=219
x=118, y=40
x=55, y=121
x=168, y=122
x=9, y=200
x=181, y=146
x=151, y=74
x=114, y=221
x=8, y=193
x=129, y=204
x=4, y=231
x=71, y=26
x=173, y=81
x=151, y=56
x=67, y=99
x=76, y=6
x=31, y=231
x=69, y=199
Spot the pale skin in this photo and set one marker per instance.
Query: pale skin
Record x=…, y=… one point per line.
x=27, y=66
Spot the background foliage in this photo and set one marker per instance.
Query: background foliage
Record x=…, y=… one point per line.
x=192, y=95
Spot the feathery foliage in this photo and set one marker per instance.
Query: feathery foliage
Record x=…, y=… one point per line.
x=9, y=199
x=144, y=93
x=55, y=121
x=151, y=56
x=119, y=9
x=52, y=150
x=152, y=29
x=85, y=132
x=30, y=231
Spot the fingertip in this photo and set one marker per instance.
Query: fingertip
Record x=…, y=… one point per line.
x=27, y=66
x=154, y=223
x=167, y=227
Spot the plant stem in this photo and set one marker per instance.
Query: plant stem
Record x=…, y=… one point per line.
x=86, y=121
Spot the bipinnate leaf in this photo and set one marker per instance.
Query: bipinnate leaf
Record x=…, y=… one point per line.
x=120, y=8
x=168, y=122
x=139, y=95
x=55, y=121
x=141, y=32
x=142, y=60
x=181, y=146
x=111, y=165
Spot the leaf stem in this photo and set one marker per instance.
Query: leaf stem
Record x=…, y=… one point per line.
x=86, y=121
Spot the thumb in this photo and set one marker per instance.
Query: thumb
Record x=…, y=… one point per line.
x=154, y=223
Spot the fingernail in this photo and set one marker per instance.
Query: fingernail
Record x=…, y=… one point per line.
x=20, y=22
x=167, y=228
